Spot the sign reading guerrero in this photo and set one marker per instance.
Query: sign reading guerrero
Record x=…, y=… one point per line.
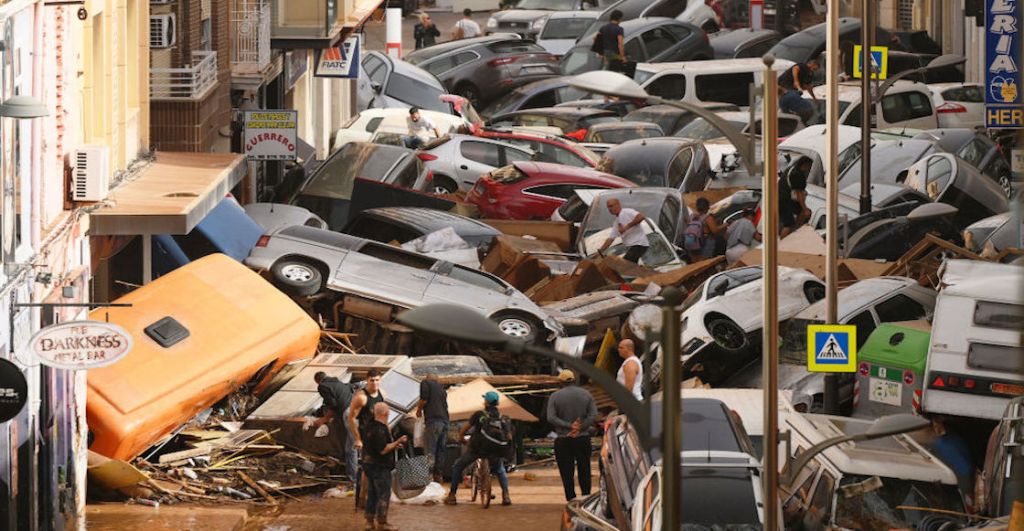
x=80, y=344
x=270, y=135
x=1004, y=105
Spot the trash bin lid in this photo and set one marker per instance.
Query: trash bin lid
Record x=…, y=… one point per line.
x=898, y=345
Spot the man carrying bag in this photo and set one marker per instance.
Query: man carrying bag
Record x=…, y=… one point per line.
x=610, y=44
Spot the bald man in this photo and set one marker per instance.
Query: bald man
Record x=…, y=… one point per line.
x=627, y=226
x=631, y=372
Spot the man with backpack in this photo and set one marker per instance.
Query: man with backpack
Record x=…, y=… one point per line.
x=700, y=237
x=490, y=437
x=337, y=397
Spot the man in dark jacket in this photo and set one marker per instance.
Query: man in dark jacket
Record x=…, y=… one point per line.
x=613, y=44
x=433, y=405
x=337, y=397
x=571, y=412
x=378, y=462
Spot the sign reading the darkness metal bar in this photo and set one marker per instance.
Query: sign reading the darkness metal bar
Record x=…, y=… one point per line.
x=340, y=61
x=1004, y=106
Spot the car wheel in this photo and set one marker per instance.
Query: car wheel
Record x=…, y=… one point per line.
x=516, y=325
x=469, y=92
x=443, y=185
x=727, y=334
x=814, y=292
x=297, y=277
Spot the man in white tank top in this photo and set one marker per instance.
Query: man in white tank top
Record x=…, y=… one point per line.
x=631, y=372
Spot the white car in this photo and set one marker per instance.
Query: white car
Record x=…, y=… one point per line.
x=959, y=104
x=726, y=308
x=365, y=125
x=562, y=29
x=905, y=104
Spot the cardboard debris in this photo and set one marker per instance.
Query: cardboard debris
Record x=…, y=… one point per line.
x=467, y=399
x=559, y=233
x=850, y=269
x=507, y=251
x=804, y=240
x=689, y=276
x=526, y=272
x=112, y=474
x=587, y=277
x=616, y=268
x=922, y=261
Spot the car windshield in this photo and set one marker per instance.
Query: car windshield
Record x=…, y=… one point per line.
x=701, y=129
x=565, y=28
x=547, y=5
x=580, y=60
x=618, y=136
x=730, y=280
x=798, y=47
x=335, y=178
x=598, y=218
x=976, y=234
x=642, y=75
x=416, y=93
x=876, y=510
x=659, y=251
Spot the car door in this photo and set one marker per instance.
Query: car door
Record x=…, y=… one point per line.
x=474, y=158
x=669, y=86
x=453, y=283
x=907, y=109
x=372, y=74
x=382, y=272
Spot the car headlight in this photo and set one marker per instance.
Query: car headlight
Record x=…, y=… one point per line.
x=538, y=24
x=492, y=23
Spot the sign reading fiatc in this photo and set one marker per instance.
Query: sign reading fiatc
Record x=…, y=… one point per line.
x=270, y=135
x=80, y=344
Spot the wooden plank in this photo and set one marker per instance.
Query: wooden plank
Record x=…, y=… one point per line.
x=184, y=454
x=259, y=490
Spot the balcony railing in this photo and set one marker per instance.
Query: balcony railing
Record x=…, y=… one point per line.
x=250, y=36
x=303, y=19
x=188, y=83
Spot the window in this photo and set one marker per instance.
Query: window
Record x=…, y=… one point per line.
x=463, y=58
x=561, y=155
x=678, y=167
x=206, y=34
x=480, y=152
x=543, y=99
x=865, y=324
x=565, y=28
x=569, y=94
x=555, y=191
x=373, y=124
x=999, y=315
x=375, y=69
x=476, y=278
x=439, y=66
x=905, y=106
x=671, y=86
x=730, y=88
x=408, y=173
x=679, y=32
x=995, y=358
x=395, y=255
x=381, y=231
x=417, y=93
x=853, y=118
x=970, y=94
x=667, y=218
x=755, y=50
x=899, y=308
x=515, y=155
x=974, y=152
x=633, y=49
x=657, y=41
x=787, y=126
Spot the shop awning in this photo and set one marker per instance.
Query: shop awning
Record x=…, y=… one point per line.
x=170, y=196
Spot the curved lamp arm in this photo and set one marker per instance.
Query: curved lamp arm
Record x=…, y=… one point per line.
x=729, y=131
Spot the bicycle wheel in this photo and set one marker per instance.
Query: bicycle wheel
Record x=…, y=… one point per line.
x=485, y=482
x=475, y=480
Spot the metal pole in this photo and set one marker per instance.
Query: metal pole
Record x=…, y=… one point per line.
x=866, y=39
x=832, y=185
x=671, y=412
x=770, y=330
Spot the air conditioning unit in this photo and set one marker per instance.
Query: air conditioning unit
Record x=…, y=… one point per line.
x=161, y=31
x=91, y=176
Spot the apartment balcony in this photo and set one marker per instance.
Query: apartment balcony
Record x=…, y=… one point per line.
x=250, y=37
x=192, y=82
x=305, y=24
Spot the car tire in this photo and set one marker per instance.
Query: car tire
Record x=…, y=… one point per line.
x=470, y=92
x=727, y=334
x=443, y=185
x=297, y=277
x=814, y=292
x=518, y=325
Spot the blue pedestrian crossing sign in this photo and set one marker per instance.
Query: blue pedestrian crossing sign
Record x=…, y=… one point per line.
x=879, y=61
x=832, y=348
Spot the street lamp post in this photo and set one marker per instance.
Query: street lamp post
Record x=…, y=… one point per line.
x=831, y=398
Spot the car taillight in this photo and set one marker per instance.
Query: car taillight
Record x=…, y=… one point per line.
x=577, y=134
x=263, y=241
x=502, y=61
x=950, y=108
x=426, y=157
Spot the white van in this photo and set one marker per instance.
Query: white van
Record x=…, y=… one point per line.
x=861, y=485
x=905, y=104
x=725, y=80
x=976, y=358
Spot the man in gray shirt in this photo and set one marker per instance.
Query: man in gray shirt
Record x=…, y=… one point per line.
x=572, y=411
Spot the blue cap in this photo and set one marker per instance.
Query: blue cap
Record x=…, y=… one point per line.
x=491, y=397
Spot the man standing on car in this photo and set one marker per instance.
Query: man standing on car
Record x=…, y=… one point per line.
x=627, y=226
x=420, y=128
x=572, y=411
x=792, y=84
x=337, y=397
x=378, y=462
x=434, y=403
x=360, y=412
x=612, y=43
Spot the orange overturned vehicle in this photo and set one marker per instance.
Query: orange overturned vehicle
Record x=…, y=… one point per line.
x=200, y=332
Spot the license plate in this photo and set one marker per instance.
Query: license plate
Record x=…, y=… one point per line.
x=886, y=392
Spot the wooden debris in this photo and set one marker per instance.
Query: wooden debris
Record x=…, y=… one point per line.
x=259, y=490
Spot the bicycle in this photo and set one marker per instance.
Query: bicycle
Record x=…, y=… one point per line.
x=481, y=481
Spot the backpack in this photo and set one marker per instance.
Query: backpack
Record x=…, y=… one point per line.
x=693, y=234
x=495, y=435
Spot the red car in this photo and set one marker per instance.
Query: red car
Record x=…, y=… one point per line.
x=533, y=190
x=549, y=148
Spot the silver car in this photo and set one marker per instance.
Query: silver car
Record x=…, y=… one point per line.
x=459, y=160
x=304, y=260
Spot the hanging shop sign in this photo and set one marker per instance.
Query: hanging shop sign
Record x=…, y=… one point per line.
x=340, y=61
x=270, y=134
x=80, y=344
x=1004, y=104
x=13, y=390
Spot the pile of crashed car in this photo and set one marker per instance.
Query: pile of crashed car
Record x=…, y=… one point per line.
x=505, y=213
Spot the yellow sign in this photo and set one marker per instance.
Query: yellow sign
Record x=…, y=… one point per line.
x=832, y=348
x=879, y=60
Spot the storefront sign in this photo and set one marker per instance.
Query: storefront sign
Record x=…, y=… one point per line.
x=80, y=345
x=341, y=61
x=270, y=135
x=13, y=390
x=1004, y=106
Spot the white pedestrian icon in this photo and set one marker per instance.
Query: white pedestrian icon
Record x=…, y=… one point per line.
x=831, y=350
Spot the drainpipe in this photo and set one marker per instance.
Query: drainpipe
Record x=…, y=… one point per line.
x=37, y=126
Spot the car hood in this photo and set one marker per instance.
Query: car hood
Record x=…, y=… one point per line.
x=520, y=15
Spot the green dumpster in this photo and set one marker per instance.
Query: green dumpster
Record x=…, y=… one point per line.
x=890, y=370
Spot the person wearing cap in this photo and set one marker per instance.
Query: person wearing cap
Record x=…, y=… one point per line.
x=420, y=128
x=572, y=412
x=483, y=445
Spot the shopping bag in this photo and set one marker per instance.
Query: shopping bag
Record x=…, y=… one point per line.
x=412, y=471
